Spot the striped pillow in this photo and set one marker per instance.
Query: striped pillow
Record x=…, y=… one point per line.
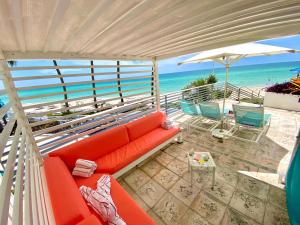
x=103, y=204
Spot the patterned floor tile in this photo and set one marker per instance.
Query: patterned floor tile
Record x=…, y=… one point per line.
x=174, y=150
x=208, y=208
x=182, y=156
x=275, y=216
x=192, y=218
x=170, y=209
x=164, y=158
x=166, y=178
x=221, y=191
x=200, y=177
x=248, y=205
x=178, y=167
x=133, y=194
x=253, y=186
x=277, y=197
x=136, y=179
x=151, y=192
x=232, y=217
x=226, y=160
x=151, y=168
x=155, y=218
x=184, y=191
x=227, y=175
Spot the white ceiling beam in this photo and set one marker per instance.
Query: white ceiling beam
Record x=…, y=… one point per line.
x=15, y=8
x=1, y=55
x=209, y=27
x=89, y=42
x=11, y=55
x=255, y=35
x=55, y=21
x=236, y=33
x=85, y=24
x=191, y=23
x=166, y=13
x=228, y=30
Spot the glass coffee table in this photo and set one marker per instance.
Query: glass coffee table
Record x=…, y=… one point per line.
x=198, y=161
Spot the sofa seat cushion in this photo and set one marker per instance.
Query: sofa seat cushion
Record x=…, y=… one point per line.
x=120, y=158
x=145, y=125
x=156, y=137
x=130, y=212
x=93, y=147
x=68, y=206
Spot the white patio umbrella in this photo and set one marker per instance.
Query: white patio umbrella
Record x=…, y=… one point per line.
x=231, y=54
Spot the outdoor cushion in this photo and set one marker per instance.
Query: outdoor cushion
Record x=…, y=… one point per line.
x=93, y=147
x=130, y=212
x=91, y=220
x=68, y=206
x=123, y=156
x=156, y=137
x=119, y=158
x=144, y=125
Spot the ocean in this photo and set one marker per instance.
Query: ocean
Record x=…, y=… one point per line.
x=260, y=75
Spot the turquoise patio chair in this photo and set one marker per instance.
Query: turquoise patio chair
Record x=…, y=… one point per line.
x=252, y=117
x=211, y=110
x=293, y=188
x=210, y=116
x=189, y=108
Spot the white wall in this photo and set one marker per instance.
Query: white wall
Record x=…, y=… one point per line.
x=282, y=101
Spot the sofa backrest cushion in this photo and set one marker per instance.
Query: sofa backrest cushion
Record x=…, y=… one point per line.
x=93, y=147
x=144, y=125
x=68, y=206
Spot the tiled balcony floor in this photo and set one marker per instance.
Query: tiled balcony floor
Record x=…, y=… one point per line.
x=162, y=185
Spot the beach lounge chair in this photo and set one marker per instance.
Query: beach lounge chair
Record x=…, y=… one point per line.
x=293, y=187
x=189, y=108
x=210, y=116
x=251, y=118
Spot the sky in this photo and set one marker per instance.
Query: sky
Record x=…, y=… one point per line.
x=170, y=65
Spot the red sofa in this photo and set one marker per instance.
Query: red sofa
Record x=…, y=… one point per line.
x=115, y=151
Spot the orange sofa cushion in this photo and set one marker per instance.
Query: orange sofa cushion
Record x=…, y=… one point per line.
x=123, y=156
x=130, y=212
x=93, y=147
x=156, y=137
x=91, y=220
x=144, y=125
x=68, y=206
x=120, y=158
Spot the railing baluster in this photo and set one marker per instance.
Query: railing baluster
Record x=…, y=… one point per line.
x=166, y=104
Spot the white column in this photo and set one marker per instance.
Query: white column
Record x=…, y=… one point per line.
x=16, y=104
x=156, y=84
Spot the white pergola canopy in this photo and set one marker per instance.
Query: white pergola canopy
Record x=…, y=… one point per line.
x=137, y=29
x=230, y=54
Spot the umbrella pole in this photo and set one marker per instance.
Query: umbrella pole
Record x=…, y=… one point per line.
x=225, y=93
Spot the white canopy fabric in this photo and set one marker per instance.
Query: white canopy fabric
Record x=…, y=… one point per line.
x=230, y=54
x=137, y=29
